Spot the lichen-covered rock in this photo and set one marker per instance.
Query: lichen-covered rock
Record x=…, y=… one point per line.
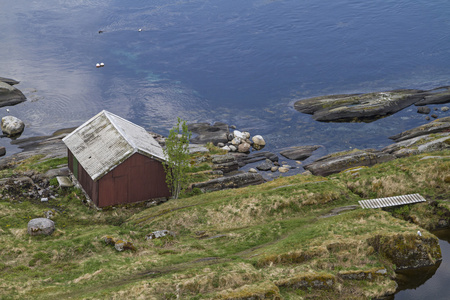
x=12, y=126
x=226, y=163
x=407, y=251
x=40, y=226
x=337, y=162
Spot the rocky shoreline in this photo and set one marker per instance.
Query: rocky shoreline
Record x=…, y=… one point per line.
x=371, y=106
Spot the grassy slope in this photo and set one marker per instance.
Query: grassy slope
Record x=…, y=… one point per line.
x=232, y=243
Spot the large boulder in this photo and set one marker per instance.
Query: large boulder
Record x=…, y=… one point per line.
x=9, y=95
x=40, y=226
x=205, y=133
x=258, y=142
x=337, y=162
x=12, y=126
x=368, y=107
x=230, y=182
x=300, y=152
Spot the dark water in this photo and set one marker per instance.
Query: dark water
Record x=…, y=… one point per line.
x=431, y=282
x=239, y=62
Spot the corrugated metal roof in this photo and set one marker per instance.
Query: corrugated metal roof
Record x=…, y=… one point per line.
x=391, y=201
x=106, y=140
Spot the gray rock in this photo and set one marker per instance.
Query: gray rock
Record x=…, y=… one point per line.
x=40, y=226
x=226, y=148
x=337, y=162
x=159, y=234
x=63, y=171
x=252, y=170
x=197, y=148
x=265, y=166
x=434, y=116
x=9, y=81
x=438, y=95
x=232, y=148
x=445, y=108
x=230, y=182
x=2, y=151
x=274, y=169
x=300, y=152
x=258, y=142
x=216, y=133
x=423, y=110
x=221, y=159
x=9, y=95
x=368, y=107
x=226, y=163
x=283, y=169
x=12, y=126
x=119, y=245
x=439, y=125
x=244, y=148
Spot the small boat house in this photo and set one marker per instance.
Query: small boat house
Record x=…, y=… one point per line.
x=116, y=161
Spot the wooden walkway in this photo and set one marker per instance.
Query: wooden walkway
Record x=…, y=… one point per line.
x=391, y=201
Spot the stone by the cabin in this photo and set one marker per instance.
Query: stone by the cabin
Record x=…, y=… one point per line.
x=40, y=226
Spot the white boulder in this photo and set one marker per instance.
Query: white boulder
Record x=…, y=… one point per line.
x=12, y=126
x=41, y=226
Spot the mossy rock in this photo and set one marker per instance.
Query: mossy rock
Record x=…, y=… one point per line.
x=407, y=250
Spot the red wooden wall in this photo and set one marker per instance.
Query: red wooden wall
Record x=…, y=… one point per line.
x=138, y=178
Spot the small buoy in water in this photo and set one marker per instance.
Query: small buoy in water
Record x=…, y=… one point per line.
x=97, y=65
x=419, y=233
x=100, y=31
x=140, y=29
x=102, y=64
x=7, y=110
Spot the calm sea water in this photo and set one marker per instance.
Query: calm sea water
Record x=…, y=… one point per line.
x=240, y=62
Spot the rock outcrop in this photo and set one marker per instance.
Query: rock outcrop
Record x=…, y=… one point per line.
x=368, y=107
x=300, y=152
x=337, y=162
x=230, y=182
x=407, y=251
x=438, y=125
x=9, y=95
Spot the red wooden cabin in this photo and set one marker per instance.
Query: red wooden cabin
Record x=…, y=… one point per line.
x=116, y=161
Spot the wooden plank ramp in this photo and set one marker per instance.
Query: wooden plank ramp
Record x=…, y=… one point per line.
x=391, y=201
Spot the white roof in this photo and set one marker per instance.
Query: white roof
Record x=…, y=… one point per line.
x=106, y=140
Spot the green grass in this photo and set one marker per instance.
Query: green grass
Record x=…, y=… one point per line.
x=231, y=242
